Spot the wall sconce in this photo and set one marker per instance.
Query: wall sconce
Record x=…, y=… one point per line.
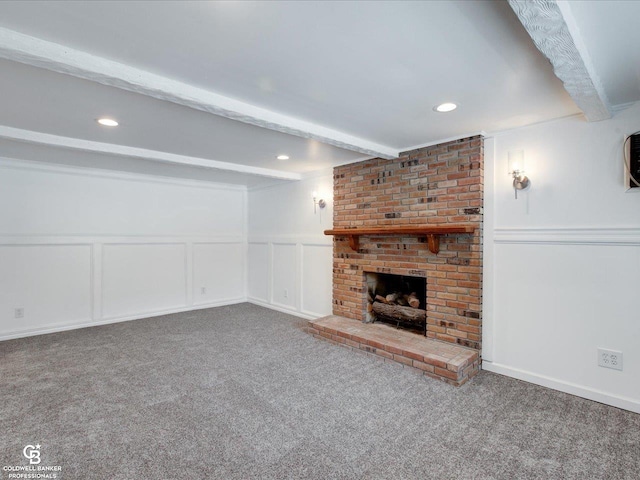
x=318, y=203
x=516, y=170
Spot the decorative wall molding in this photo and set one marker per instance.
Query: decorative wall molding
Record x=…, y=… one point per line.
x=148, y=265
x=301, y=272
x=39, y=138
x=320, y=240
x=229, y=277
x=92, y=281
x=95, y=282
x=553, y=29
x=58, y=58
x=568, y=236
x=89, y=239
x=186, y=264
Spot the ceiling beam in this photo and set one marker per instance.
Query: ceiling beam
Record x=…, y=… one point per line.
x=58, y=58
x=553, y=29
x=38, y=138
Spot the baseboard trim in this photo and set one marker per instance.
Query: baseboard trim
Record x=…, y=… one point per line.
x=624, y=403
x=75, y=326
x=296, y=313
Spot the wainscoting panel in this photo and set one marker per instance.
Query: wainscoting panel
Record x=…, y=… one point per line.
x=317, y=266
x=143, y=278
x=88, y=247
x=284, y=275
x=218, y=272
x=301, y=265
x=52, y=283
x=258, y=272
x=559, y=295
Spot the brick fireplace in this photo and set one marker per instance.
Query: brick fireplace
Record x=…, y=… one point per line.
x=437, y=186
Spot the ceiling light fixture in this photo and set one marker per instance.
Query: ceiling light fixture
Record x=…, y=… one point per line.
x=283, y=157
x=107, y=122
x=445, y=107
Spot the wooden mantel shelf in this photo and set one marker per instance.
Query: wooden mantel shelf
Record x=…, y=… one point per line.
x=432, y=232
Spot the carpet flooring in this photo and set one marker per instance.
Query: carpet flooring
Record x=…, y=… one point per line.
x=241, y=392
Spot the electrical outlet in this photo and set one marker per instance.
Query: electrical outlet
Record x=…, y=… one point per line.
x=286, y=293
x=19, y=313
x=203, y=290
x=610, y=359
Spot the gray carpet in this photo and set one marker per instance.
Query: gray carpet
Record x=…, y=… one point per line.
x=242, y=392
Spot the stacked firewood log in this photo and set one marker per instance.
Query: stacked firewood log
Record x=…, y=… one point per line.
x=396, y=306
x=398, y=298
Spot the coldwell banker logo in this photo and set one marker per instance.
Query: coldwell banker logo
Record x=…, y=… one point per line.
x=34, y=469
x=32, y=454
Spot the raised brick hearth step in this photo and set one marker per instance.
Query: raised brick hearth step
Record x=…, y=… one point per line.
x=450, y=363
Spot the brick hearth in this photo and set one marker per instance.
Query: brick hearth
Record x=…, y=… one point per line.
x=447, y=362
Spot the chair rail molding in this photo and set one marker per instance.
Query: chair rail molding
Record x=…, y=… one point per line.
x=569, y=236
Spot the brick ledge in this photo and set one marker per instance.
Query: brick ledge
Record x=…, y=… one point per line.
x=444, y=361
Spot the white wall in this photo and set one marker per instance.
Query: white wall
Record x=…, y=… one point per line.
x=83, y=247
x=563, y=261
x=290, y=259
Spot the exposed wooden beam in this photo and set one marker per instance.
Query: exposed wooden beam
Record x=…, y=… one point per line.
x=553, y=29
x=38, y=138
x=58, y=58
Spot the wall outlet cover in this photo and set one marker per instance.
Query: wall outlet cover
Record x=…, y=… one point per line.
x=610, y=359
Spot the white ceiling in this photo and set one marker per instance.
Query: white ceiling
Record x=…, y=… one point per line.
x=363, y=76
x=67, y=106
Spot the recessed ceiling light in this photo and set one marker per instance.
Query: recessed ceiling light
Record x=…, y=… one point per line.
x=445, y=107
x=107, y=122
x=283, y=157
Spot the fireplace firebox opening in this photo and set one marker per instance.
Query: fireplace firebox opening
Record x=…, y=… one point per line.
x=399, y=300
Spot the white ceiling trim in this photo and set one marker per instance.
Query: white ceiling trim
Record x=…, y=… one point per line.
x=554, y=31
x=29, y=136
x=58, y=58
